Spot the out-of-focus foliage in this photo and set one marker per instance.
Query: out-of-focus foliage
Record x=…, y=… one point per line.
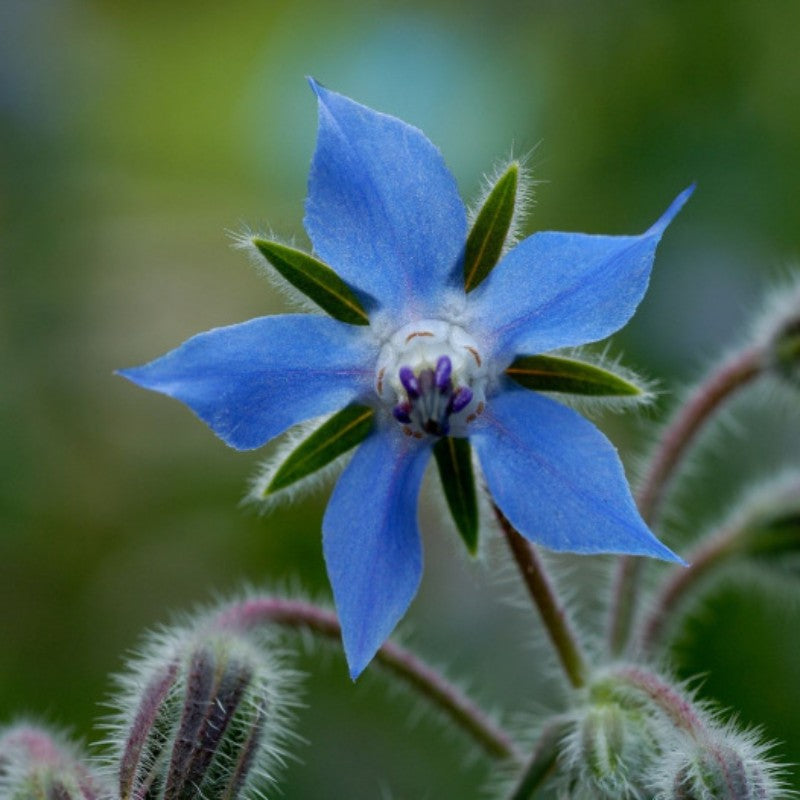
x=133, y=134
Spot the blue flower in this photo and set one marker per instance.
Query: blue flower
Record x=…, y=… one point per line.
x=385, y=213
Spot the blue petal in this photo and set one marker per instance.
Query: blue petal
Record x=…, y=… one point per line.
x=564, y=289
x=558, y=479
x=371, y=541
x=383, y=209
x=249, y=382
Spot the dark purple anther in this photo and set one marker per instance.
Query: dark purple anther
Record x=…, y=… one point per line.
x=409, y=381
x=443, y=369
x=460, y=400
x=402, y=413
x=426, y=381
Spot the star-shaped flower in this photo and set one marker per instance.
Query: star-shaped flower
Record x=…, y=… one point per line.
x=434, y=342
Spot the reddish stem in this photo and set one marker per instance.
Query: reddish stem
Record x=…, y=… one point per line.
x=297, y=614
x=707, y=398
x=704, y=559
x=734, y=373
x=545, y=599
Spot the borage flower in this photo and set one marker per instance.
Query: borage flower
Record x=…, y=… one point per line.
x=434, y=341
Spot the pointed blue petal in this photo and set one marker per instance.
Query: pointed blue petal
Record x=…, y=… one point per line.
x=564, y=289
x=250, y=382
x=383, y=209
x=371, y=541
x=558, y=479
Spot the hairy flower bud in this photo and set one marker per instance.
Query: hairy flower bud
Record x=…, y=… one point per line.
x=202, y=715
x=726, y=765
x=610, y=747
x=36, y=764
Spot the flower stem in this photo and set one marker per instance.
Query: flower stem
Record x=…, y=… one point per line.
x=544, y=597
x=707, y=398
x=405, y=665
x=542, y=762
x=733, y=374
x=711, y=554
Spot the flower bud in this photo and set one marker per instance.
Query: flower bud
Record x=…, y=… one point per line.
x=202, y=715
x=725, y=766
x=610, y=747
x=38, y=765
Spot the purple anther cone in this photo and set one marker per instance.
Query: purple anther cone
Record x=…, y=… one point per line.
x=409, y=381
x=444, y=368
x=460, y=400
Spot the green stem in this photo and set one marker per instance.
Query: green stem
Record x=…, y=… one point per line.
x=706, y=399
x=544, y=597
x=300, y=615
x=542, y=763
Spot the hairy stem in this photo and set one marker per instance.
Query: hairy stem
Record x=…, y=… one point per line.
x=300, y=615
x=711, y=554
x=542, y=763
x=706, y=399
x=733, y=374
x=544, y=597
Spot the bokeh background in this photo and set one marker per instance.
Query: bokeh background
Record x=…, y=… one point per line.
x=133, y=135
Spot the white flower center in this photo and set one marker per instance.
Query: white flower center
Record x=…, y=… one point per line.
x=432, y=376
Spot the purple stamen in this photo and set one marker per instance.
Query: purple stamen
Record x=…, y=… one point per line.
x=460, y=400
x=410, y=382
x=402, y=413
x=443, y=369
x=426, y=381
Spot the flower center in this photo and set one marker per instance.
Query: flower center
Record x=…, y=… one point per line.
x=432, y=377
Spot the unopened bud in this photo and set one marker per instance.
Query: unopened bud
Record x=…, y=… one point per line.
x=609, y=750
x=38, y=765
x=726, y=766
x=204, y=716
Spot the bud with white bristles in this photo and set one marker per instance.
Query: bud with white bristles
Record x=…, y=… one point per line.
x=37, y=764
x=724, y=765
x=202, y=713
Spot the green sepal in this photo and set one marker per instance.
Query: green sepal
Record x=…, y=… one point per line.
x=315, y=280
x=488, y=235
x=569, y=375
x=454, y=459
x=343, y=431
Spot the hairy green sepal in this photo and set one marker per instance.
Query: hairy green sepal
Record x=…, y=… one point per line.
x=315, y=280
x=454, y=459
x=556, y=374
x=343, y=431
x=488, y=235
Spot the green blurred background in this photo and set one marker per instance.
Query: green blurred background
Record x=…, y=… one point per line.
x=134, y=134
